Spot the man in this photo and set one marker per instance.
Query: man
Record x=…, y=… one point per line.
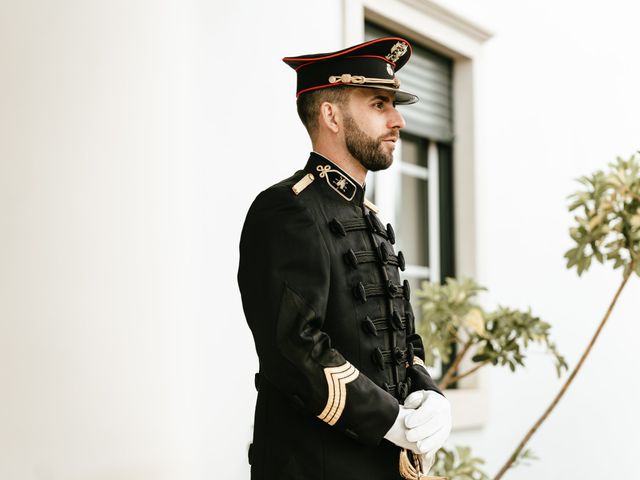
x=332, y=324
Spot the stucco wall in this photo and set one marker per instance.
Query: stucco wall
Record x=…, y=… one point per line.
x=135, y=135
x=557, y=101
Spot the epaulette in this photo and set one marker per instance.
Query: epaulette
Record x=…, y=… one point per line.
x=303, y=183
x=371, y=206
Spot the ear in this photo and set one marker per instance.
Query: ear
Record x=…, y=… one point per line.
x=330, y=116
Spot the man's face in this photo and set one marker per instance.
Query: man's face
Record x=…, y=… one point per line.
x=371, y=127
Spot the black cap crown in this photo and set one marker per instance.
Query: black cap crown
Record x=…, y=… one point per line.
x=371, y=64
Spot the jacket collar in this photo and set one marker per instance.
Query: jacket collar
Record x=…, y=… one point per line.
x=335, y=178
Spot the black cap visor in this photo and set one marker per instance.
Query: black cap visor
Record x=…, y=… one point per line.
x=401, y=98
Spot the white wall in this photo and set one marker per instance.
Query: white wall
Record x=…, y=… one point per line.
x=559, y=99
x=248, y=137
x=99, y=251
x=135, y=135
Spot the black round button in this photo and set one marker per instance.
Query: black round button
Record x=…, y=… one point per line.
x=391, y=235
x=378, y=358
x=401, y=263
x=369, y=327
x=360, y=292
x=351, y=258
x=336, y=227
x=377, y=224
x=398, y=355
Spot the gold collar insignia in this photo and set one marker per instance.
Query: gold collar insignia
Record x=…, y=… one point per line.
x=336, y=180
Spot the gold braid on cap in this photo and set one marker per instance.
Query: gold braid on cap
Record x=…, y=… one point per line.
x=348, y=78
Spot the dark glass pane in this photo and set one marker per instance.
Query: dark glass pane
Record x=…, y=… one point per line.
x=412, y=221
x=414, y=150
x=447, y=233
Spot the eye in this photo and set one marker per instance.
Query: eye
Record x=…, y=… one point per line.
x=378, y=105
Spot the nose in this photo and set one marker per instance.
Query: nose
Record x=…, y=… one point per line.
x=396, y=120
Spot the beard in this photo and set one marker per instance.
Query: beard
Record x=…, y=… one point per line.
x=367, y=150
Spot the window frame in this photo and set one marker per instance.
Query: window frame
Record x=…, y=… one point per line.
x=450, y=34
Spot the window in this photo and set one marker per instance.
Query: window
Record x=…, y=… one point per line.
x=452, y=42
x=416, y=194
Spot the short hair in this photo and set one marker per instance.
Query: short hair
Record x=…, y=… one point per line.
x=308, y=104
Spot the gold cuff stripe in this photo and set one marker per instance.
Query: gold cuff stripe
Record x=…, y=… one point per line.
x=418, y=361
x=333, y=375
x=337, y=379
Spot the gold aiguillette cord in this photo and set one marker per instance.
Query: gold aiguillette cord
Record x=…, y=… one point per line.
x=412, y=470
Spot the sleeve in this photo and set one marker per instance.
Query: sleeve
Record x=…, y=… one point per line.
x=284, y=279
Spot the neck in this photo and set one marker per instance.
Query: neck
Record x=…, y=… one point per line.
x=344, y=160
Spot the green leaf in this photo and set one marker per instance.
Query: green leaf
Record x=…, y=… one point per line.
x=458, y=465
x=480, y=357
x=607, y=226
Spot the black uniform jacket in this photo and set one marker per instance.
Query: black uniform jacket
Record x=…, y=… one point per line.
x=333, y=329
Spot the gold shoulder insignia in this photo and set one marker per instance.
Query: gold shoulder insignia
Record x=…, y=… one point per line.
x=371, y=206
x=337, y=379
x=303, y=183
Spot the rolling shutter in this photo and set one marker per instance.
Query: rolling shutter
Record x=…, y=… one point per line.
x=429, y=76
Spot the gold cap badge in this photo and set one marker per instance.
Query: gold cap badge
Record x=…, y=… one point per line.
x=398, y=50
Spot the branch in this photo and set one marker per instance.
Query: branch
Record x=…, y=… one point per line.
x=469, y=372
x=446, y=380
x=453, y=333
x=564, y=388
x=634, y=195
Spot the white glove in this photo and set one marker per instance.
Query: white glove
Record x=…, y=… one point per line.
x=397, y=434
x=429, y=425
x=423, y=424
x=427, y=462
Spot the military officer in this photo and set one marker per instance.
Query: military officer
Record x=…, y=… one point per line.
x=342, y=386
